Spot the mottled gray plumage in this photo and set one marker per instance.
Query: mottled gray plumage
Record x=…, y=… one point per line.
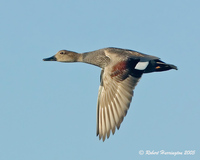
x=101, y=60
x=121, y=71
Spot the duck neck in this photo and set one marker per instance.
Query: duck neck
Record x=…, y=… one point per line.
x=79, y=57
x=96, y=58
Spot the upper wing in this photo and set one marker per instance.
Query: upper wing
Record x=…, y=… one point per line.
x=115, y=95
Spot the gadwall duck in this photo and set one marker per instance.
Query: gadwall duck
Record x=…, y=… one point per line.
x=121, y=71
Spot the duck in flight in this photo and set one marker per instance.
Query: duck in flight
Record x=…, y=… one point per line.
x=121, y=71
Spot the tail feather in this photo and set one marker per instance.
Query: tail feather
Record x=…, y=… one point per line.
x=159, y=66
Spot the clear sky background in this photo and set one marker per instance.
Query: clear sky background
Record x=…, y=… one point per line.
x=48, y=109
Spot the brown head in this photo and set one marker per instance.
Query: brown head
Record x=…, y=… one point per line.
x=64, y=56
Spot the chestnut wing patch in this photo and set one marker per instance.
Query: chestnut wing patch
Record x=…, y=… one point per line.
x=123, y=69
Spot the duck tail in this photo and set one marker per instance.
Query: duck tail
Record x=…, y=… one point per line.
x=158, y=66
x=162, y=66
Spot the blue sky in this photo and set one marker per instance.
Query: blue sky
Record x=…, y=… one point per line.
x=48, y=109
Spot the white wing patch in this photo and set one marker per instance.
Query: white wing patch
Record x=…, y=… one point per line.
x=141, y=65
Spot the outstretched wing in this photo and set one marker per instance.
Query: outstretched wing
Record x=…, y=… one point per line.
x=115, y=95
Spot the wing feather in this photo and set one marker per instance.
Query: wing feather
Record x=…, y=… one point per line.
x=115, y=95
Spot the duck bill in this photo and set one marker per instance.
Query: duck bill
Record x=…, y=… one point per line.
x=53, y=58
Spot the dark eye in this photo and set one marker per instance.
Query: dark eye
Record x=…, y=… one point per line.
x=61, y=53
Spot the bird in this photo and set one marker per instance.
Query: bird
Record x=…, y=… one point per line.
x=121, y=70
